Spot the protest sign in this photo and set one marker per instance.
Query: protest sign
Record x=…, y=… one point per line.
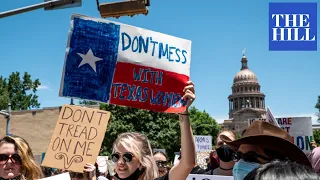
x=115, y=63
x=270, y=118
x=250, y=121
x=208, y=177
x=102, y=163
x=159, y=150
x=77, y=138
x=63, y=176
x=176, y=158
x=203, y=143
x=300, y=128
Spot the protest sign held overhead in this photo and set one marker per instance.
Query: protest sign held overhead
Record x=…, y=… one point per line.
x=300, y=128
x=124, y=65
x=77, y=138
x=203, y=143
x=270, y=118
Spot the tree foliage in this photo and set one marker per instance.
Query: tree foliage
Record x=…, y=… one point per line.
x=316, y=136
x=85, y=102
x=162, y=129
x=318, y=107
x=19, y=91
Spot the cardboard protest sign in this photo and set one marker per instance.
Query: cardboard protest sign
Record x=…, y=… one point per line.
x=300, y=128
x=203, y=143
x=208, y=177
x=125, y=65
x=77, y=138
x=63, y=176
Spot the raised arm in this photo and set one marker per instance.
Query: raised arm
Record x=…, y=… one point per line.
x=188, y=158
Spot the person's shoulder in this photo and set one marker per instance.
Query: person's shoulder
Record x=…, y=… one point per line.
x=165, y=177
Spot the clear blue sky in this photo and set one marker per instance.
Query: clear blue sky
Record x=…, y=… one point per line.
x=219, y=30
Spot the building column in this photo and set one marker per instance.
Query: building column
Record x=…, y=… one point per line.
x=239, y=103
x=234, y=104
x=254, y=102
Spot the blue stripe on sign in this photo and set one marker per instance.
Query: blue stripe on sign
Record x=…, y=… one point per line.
x=83, y=82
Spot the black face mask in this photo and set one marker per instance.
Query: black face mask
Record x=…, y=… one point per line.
x=225, y=153
x=133, y=176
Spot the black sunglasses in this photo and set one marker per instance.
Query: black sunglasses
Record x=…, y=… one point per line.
x=78, y=175
x=162, y=164
x=4, y=158
x=250, y=157
x=127, y=157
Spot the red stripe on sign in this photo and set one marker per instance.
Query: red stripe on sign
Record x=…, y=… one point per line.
x=148, y=88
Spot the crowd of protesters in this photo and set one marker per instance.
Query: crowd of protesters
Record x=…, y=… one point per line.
x=263, y=152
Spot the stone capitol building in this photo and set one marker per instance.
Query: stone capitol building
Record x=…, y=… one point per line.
x=246, y=101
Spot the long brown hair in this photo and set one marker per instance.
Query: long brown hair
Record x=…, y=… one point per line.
x=29, y=169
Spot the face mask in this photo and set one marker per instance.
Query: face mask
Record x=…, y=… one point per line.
x=242, y=168
x=225, y=153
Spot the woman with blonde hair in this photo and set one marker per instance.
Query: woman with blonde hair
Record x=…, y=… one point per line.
x=16, y=160
x=132, y=153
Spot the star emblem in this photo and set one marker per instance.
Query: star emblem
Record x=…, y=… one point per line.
x=90, y=59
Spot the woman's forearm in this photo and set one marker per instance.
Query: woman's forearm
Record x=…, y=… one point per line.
x=188, y=153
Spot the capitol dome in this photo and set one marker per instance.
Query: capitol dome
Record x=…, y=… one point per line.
x=245, y=75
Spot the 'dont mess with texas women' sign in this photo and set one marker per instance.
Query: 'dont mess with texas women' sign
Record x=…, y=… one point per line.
x=120, y=64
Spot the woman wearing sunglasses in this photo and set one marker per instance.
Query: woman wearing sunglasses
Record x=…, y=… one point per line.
x=16, y=160
x=162, y=162
x=133, y=157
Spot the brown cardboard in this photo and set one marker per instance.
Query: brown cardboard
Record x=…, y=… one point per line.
x=77, y=138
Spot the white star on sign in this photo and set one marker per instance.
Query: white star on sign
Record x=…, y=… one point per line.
x=90, y=59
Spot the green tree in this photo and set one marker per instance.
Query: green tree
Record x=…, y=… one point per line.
x=162, y=129
x=4, y=94
x=203, y=124
x=316, y=136
x=84, y=102
x=318, y=107
x=19, y=91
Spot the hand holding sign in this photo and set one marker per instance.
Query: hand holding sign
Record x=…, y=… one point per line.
x=189, y=95
x=90, y=169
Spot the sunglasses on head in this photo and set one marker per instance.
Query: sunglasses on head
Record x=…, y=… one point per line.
x=127, y=157
x=76, y=175
x=4, y=158
x=250, y=157
x=162, y=164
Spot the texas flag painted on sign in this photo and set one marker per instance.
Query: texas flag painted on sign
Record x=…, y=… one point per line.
x=115, y=63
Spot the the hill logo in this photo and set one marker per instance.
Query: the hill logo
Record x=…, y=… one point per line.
x=293, y=26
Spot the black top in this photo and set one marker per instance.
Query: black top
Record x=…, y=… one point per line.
x=197, y=170
x=165, y=177
x=15, y=178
